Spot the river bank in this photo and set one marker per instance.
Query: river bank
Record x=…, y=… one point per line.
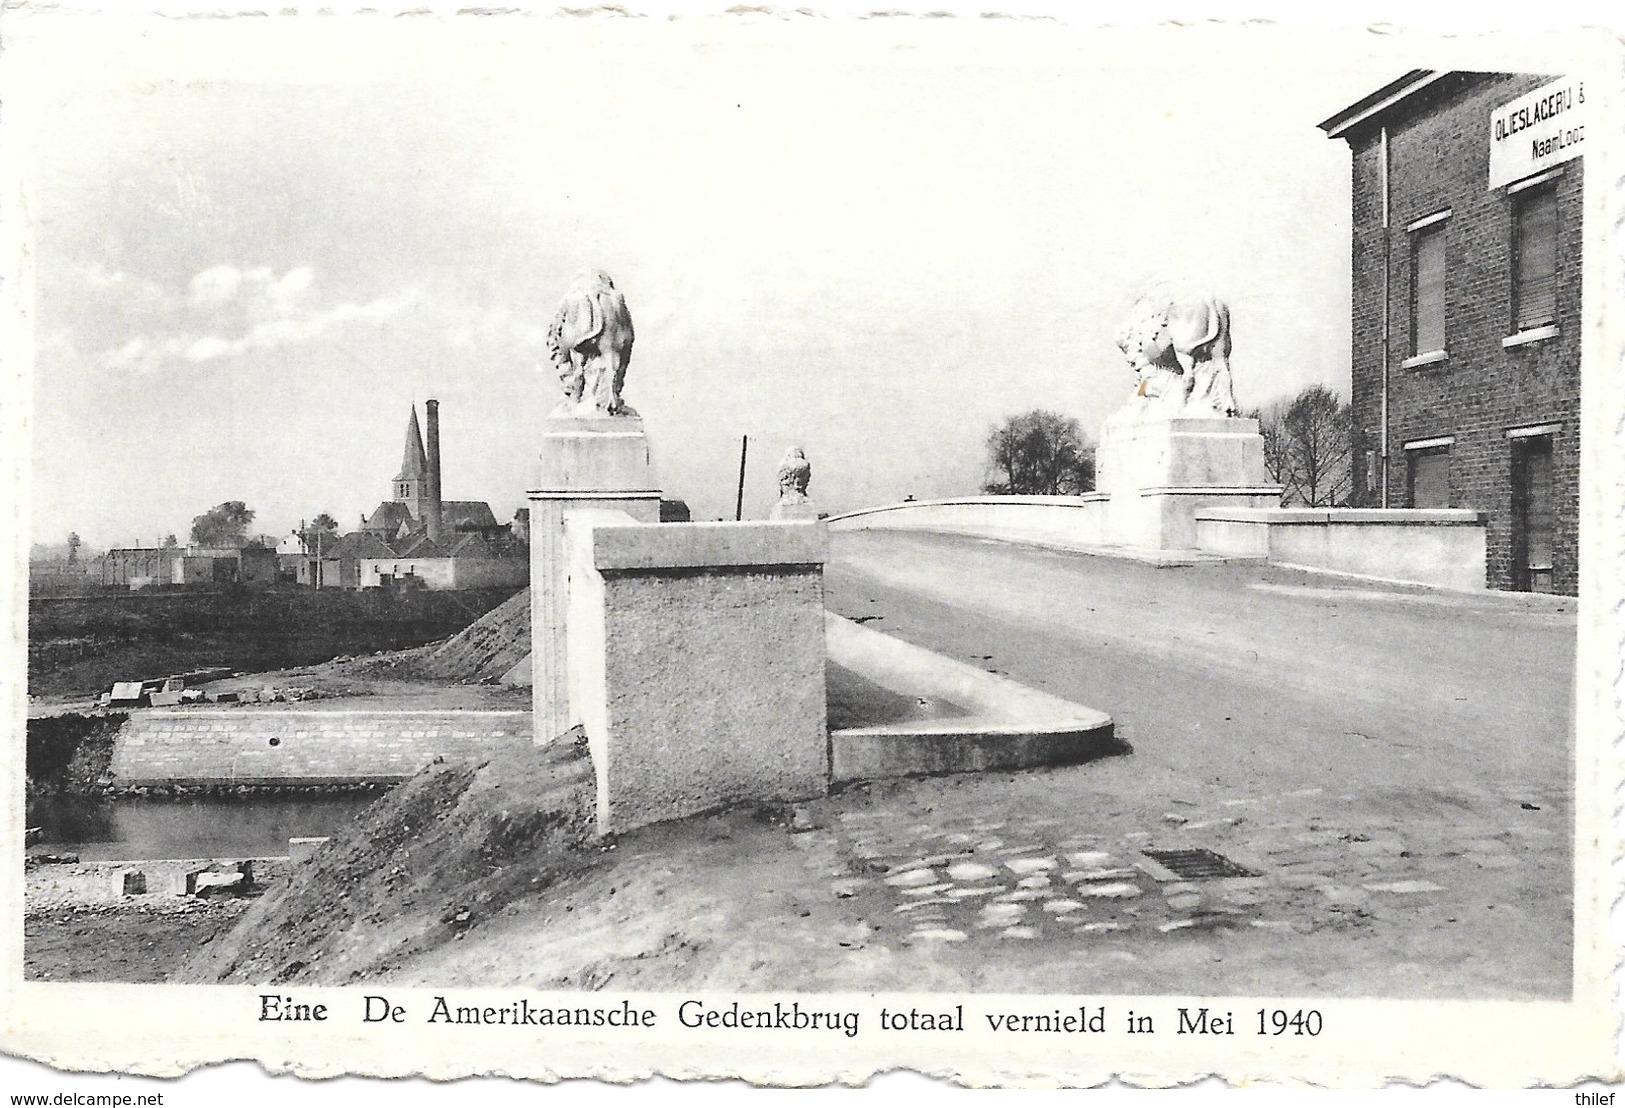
x=133, y=943
x=78, y=925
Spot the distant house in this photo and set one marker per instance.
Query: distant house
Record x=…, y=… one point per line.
x=338, y=566
x=257, y=566
x=290, y=556
x=202, y=569
x=468, y=561
x=254, y=566
x=136, y=567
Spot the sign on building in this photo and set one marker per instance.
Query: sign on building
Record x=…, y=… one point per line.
x=1537, y=131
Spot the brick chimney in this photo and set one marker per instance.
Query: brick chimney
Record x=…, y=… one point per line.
x=432, y=410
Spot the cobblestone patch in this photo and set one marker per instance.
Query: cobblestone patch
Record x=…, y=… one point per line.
x=1321, y=863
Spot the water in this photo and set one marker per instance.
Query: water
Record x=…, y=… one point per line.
x=137, y=828
x=131, y=828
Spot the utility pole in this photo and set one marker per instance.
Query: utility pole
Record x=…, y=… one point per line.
x=303, y=535
x=739, y=500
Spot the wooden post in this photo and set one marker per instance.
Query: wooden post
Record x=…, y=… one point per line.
x=739, y=500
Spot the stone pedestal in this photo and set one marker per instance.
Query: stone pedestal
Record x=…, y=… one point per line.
x=793, y=508
x=697, y=663
x=1158, y=471
x=584, y=463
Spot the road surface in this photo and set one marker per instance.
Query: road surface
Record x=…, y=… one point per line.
x=1336, y=725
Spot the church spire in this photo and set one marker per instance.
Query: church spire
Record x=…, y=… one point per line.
x=411, y=484
x=414, y=463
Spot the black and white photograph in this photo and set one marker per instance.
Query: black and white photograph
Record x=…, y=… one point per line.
x=785, y=547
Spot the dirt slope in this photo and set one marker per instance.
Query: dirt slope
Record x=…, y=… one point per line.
x=432, y=859
x=487, y=648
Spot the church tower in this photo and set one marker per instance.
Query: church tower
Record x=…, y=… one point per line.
x=412, y=483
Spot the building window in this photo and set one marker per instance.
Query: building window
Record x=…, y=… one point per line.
x=1534, y=259
x=1427, y=481
x=1427, y=290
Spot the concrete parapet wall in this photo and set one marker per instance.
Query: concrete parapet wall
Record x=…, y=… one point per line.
x=1440, y=547
x=696, y=663
x=245, y=747
x=1066, y=520
x=1009, y=725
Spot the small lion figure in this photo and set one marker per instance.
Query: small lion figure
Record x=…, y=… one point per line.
x=590, y=344
x=795, y=474
x=1180, y=352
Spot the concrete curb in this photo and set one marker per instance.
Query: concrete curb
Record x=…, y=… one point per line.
x=1010, y=726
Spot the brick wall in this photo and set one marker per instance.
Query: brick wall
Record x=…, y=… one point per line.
x=1439, y=158
x=197, y=746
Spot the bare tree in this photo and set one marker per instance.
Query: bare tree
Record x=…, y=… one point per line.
x=1039, y=453
x=1309, y=447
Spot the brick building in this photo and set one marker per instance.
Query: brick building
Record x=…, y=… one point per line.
x=1467, y=191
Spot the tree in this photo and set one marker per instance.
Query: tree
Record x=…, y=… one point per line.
x=1309, y=447
x=170, y=542
x=320, y=534
x=73, y=546
x=1039, y=453
x=223, y=525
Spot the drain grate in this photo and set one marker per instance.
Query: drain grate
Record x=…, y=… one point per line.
x=1198, y=863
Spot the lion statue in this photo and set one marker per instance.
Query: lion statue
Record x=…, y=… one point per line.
x=795, y=474
x=590, y=344
x=1179, y=349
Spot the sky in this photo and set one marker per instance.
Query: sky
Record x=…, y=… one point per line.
x=256, y=244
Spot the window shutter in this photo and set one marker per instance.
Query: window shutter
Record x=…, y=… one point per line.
x=1427, y=291
x=1535, y=278
x=1430, y=478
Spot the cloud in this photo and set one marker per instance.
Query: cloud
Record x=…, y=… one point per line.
x=216, y=286
x=125, y=290
x=255, y=293
x=303, y=328
x=134, y=355
x=207, y=348
x=286, y=293
x=235, y=311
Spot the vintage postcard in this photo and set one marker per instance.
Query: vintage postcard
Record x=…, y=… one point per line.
x=790, y=547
